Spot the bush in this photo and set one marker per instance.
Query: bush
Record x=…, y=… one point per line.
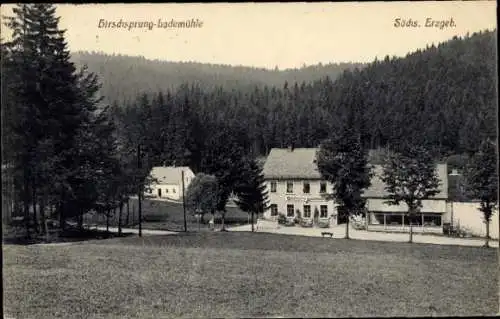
x=324, y=223
x=298, y=218
x=282, y=219
x=290, y=222
x=306, y=223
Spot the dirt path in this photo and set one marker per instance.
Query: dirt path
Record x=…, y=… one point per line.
x=339, y=232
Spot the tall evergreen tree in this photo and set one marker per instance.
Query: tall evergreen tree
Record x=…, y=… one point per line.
x=52, y=104
x=251, y=191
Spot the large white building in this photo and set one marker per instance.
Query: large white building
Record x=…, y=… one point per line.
x=167, y=182
x=295, y=185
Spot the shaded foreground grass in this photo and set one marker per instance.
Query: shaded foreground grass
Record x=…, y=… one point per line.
x=247, y=274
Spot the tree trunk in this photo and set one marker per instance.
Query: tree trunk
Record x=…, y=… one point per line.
x=42, y=214
x=107, y=219
x=120, y=219
x=347, y=228
x=487, y=242
x=411, y=232
x=410, y=215
x=128, y=212
x=33, y=201
x=80, y=219
x=252, y=222
x=26, y=208
x=62, y=215
x=222, y=221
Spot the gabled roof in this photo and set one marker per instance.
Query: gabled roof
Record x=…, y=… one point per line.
x=299, y=163
x=377, y=188
x=169, y=174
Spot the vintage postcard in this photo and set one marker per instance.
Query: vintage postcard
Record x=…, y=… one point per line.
x=264, y=160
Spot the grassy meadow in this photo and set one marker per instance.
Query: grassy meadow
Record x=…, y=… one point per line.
x=199, y=275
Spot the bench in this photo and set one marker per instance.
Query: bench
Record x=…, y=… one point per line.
x=325, y=233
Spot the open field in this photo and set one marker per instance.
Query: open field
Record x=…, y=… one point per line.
x=166, y=215
x=239, y=274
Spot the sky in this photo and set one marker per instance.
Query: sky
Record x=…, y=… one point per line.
x=269, y=35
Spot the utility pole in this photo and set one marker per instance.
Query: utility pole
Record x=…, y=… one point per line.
x=184, y=201
x=139, y=192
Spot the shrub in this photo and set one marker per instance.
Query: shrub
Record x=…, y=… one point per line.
x=290, y=222
x=282, y=219
x=323, y=223
x=306, y=223
x=298, y=217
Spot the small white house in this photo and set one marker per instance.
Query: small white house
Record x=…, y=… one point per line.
x=167, y=182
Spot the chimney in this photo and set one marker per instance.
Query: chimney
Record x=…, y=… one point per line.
x=290, y=148
x=164, y=163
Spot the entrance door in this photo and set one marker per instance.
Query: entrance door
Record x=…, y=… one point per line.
x=159, y=192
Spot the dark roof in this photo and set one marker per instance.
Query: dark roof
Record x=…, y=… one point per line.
x=377, y=188
x=300, y=163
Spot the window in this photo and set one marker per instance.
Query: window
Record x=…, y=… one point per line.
x=394, y=219
x=273, y=187
x=376, y=218
x=307, y=211
x=322, y=187
x=173, y=190
x=159, y=192
x=166, y=190
x=289, y=187
x=432, y=219
x=289, y=211
x=307, y=188
x=323, y=213
x=415, y=220
x=274, y=210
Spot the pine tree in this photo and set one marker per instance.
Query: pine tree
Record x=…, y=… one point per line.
x=251, y=191
x=53, y=103
x=224, y=157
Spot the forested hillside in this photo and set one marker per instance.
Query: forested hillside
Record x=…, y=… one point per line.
x=123, y=77
x=443, y=96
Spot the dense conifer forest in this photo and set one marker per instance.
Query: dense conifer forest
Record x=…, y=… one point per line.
x=443, y=97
